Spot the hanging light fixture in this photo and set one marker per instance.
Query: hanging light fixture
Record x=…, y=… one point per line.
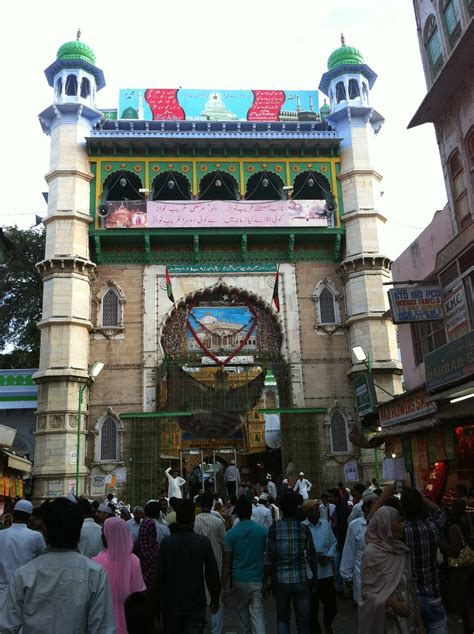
x=265, y=182
x=171, y=184
x=123, y=181
x=218, y=183
x=310, y=182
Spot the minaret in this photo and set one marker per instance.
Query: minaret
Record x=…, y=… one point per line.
x=347, y=83
x=66, y=269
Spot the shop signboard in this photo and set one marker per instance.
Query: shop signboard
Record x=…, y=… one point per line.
x=365, y=396
x=450, y=363
x=415, y=303
x=187, y=104
x=405, y=408
x=455, y=308
x=166, y=214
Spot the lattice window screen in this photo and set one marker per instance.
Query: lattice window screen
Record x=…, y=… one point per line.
x=339, y=433
x=327, y=309
x=110, y=309
x=108, y=440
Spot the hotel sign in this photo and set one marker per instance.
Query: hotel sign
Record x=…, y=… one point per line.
x=415, y=303
x=450, y=363
x=405, y=408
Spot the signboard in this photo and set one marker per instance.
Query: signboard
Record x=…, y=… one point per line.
x=405, y=408
x=455, y=308
x=172, y=104
x=351, y=473
x=365, y=396
x=450, y=363
x=55, y=488
x=215, y=213
x=97, y=485
x=415, y=303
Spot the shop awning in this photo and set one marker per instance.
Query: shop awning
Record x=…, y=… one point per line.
x=18, y=462
x=406, y=428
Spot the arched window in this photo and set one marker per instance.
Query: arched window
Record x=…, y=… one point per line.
x=365, y=92
x=110, y=308
x=433, y=46
x=327, y=307
x=338, y=433
x=85, y=88
x=340, y=92
x=470, y=149
x=109, y=442
x=459, y=187
x=264, y=186
x=171, y=185
x=122, y=185
x=452, y=19
x=71, y=86
x=59, y=88
x=218, y=185
x=354, y=91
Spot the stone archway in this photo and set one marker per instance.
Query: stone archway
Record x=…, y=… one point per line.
x=219, y=344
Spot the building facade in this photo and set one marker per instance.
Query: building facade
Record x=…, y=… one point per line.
x=432, y=425
x=219, y=252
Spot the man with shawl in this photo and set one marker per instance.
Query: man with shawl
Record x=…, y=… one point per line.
x=388, y=598
x=147, y=549
x=123, y=568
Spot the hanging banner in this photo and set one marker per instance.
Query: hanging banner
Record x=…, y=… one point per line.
x=215, y=213
x=415, y=303
x=180, y=104
x=351, y=473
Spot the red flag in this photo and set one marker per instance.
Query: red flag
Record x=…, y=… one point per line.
x=169, y=289
x=275, y=296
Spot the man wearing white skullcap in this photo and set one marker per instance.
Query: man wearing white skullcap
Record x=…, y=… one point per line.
x=303, y=486
x=18, y=544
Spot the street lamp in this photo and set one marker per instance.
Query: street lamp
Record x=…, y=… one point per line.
x=361, y=357
x=94, y=372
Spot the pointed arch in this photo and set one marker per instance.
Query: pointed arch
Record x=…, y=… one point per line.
x=108, y=429
x=433, y=47
x=122, y=185
x=218, y=185
x=109, y=302
x=171, y=185
x=71, y=85
x=328, y=306
x=338, y=425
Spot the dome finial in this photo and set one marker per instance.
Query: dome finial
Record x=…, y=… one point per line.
x=343, y=39
x=78, y=35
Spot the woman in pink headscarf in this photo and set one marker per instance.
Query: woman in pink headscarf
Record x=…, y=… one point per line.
x=389, y=604
x=123, y=568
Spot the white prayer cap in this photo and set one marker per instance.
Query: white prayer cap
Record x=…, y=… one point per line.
x=23, y=505
x=301, y=473
x=269, y=477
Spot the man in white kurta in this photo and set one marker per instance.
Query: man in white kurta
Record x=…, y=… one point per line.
x=303, y=486
x=175, y=482
x=354, y=547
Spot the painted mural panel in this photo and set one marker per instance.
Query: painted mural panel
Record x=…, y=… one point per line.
x=221, y=328
x=164, y=104
x=215, y=213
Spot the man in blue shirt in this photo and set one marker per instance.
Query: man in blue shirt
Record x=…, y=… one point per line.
x=244, y=547
x=289, y=548
x=325, y=545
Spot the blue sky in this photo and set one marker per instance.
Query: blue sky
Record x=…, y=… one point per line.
x=236, y=44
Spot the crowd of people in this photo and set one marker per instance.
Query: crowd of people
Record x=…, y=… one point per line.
x=77, y=566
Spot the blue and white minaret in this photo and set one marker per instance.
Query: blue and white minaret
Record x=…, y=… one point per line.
x=348, y=82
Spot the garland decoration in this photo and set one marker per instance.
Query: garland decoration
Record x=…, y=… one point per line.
x=208, y=352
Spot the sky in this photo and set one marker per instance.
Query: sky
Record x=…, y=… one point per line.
x=234, y=44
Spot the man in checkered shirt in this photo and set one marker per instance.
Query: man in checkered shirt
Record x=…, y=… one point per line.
x=424, y=523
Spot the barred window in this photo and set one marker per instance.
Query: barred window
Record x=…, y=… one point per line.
x=110, y=308
x=433, y=45
x=452, y=19
x=426, y=337
x=327, y=308
x=108, y=440
x=339, y=433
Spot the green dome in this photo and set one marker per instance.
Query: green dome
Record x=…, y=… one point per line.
x=344, y=55
x=76, y=50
